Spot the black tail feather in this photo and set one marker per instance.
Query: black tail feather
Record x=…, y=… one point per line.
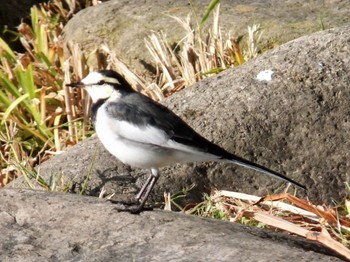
x=251, y=165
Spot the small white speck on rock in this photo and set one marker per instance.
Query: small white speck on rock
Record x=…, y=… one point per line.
x=265, y=75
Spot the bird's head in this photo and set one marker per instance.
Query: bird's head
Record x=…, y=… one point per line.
x=102, y=84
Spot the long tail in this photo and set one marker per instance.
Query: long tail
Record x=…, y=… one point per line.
x=251, y=165
x=200, y=143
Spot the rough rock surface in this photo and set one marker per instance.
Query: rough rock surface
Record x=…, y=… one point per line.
x=297, y=123
x=41, y=226
x=123, y=24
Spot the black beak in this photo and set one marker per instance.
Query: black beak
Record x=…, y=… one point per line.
x=76, y=85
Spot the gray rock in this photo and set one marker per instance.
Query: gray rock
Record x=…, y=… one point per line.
x=298, y=124
x=41, y=226
x=123, y=24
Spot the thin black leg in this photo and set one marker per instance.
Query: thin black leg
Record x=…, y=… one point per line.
x=137, y=206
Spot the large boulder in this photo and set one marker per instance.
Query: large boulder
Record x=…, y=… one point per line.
x=123, y=24
x=41, y=226
x=298, y=123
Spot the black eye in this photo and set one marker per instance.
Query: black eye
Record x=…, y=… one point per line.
x=101, y=82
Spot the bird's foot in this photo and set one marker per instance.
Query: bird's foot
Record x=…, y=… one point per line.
x=129, y=202
x=132, y=206
x=136, y=209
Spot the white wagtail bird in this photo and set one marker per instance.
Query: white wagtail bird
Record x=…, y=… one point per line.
x=143, y=133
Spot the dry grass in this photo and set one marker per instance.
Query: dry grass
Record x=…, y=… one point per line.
x=201, y=54
x=282, y=212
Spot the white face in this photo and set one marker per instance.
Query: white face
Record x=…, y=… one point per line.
x=97, y=86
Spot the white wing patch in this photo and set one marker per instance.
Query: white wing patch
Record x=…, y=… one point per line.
x=147, y=134
x=155, y=136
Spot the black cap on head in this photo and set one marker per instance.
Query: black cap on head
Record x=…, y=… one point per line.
x=119, y=77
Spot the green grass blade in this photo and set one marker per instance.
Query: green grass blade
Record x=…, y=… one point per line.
x=36, y=133
x=13, y=106
x=207, y=12
x=4, y=100
x=40, y=33
x=34, y=18
x=5, y=47
x=44, y=59
x=213, y=71
x=41, y=39
x=26, y=80
x=8, y=85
